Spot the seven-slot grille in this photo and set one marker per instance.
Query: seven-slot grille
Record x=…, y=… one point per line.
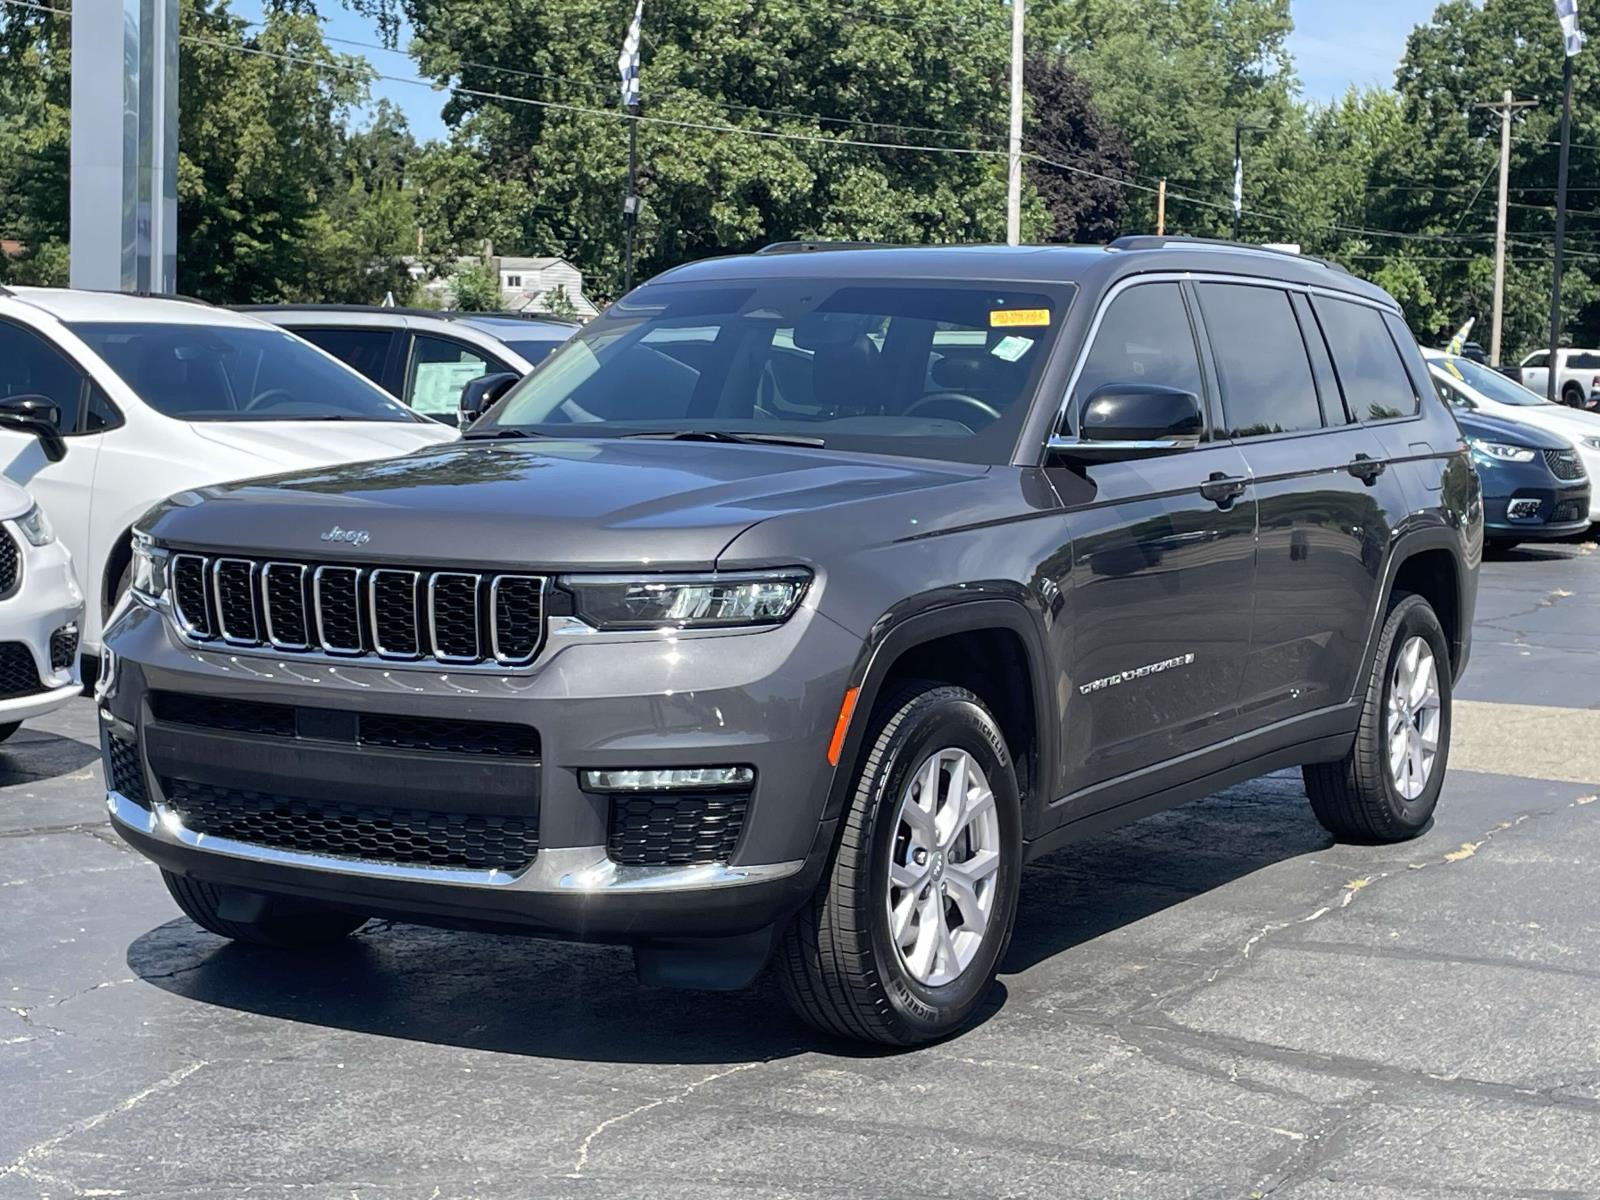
x=1564, y=464
x=10, y=564
x=392, y=613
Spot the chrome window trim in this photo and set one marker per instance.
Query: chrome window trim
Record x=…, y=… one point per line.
x=433, y=617
x=185, y=626
x=565, y=870
x=543, y=582
x=316, y=596
x=250, y=590
x=372, y=613
x=266, y=606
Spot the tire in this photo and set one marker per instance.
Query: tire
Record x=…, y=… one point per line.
x=840, y=966
x=271, y=920
x=8, y=729
x=1572, y=396
x=1361, y=798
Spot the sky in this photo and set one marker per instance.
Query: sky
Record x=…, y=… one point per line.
x=1336, y=44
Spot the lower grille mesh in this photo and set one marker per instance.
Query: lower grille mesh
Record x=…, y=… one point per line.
x=19, y=674
x=411, y=837
x=675, y=830
x=124, y=772
x=63, y=647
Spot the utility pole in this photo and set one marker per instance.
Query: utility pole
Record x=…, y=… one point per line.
x=1161, y=209
x=1572, y=40
x=1505, y=108
x=1014, y=157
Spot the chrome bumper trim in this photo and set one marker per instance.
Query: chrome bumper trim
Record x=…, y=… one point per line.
x=567, y=870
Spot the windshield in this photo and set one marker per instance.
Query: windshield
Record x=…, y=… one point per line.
x=913, y=368
x=235, y=373
x=1487, y=381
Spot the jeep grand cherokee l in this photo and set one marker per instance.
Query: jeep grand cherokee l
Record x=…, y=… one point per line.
x=796, y=603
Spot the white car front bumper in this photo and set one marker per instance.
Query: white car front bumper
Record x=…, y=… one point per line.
x=46, y=601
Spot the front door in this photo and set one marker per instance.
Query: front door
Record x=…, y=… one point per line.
x=1163, y=556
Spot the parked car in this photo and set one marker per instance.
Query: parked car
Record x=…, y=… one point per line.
x=1469, y=386
x=1535, y=487
x=420, y=355
x=1577, y=375
x=109, y=403
x=40, y=611
x=802, y=598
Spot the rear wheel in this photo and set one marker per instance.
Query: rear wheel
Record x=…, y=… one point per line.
x=1385, y=789
x=904, y=935
x=1573, y=395
x=263, y=920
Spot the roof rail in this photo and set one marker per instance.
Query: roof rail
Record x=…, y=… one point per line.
x=805, y=247
x=1156, y=241
x=444, y=314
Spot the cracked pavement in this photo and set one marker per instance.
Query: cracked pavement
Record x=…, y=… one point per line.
x=1216, y=1002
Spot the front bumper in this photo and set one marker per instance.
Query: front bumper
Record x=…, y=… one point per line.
x=47, y=600
x=758, y=700
x=1531, y=507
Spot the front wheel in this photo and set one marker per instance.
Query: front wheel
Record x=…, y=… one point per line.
x=1385, y=789
x=905, y=934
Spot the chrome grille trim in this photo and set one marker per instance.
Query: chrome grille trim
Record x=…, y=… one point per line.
x=299, y=608
x=494, y=619
x=273, y=637
x=317, y=592
x=433, y=617
x=374, y=577
x=252, y=636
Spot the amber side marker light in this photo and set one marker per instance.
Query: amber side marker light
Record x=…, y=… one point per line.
x=842, y=726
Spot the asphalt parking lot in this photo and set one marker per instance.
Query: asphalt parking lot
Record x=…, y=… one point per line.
x=1217, y=1002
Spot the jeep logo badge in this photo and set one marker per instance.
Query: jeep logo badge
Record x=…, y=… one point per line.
x=356, y=537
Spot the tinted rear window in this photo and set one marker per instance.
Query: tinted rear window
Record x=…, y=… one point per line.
x=1371, y=372
x=1262, y=368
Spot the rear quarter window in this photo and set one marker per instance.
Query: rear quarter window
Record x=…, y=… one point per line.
x=1372, y=374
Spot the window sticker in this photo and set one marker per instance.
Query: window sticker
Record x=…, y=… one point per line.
x=1011, y=347
x=1004, y=318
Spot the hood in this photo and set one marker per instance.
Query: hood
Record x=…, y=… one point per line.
x=14, y=499
x=1575, y=422
x=290, y=444
x=1498, y=429
x=604, y=503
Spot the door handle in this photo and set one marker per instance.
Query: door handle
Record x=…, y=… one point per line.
x=1224, y=489
x=1366, y=469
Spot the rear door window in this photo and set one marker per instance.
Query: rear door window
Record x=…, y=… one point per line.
x=1371, y=371
x=1263, y=369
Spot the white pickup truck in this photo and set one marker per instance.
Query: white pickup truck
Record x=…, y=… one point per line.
x=1577, y=375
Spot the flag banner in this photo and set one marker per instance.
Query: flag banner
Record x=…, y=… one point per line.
x=628, y=60
x=1567, y=14
x=1238, y=187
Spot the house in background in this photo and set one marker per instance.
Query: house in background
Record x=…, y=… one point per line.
x=528, y=284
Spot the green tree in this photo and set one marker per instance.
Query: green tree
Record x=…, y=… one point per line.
x=35, y=139
x=559, y=304
x=474, y=287
x=1082, y=157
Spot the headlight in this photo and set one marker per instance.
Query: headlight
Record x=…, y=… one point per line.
x=35, y=527
x=1592, y=442
x=149, y=570
x=1503, y=451
x=719, y=601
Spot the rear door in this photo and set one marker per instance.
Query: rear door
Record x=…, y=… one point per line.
x=1162, y=562
x=1323, y=487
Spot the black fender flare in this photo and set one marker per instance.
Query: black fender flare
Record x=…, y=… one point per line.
x=1406, y=546
x=891, y=638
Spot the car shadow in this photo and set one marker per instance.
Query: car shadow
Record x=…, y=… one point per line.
x=527, y=996
x=31, y=755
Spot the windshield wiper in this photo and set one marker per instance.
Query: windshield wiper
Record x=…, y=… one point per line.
x=506, y=432
x=723, y=435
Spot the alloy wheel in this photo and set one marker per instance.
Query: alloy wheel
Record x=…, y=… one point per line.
x=943, y=867
x=1414, y=717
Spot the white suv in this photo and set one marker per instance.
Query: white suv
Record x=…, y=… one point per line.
x=40, y=611
x=1577, y=375
x=110, y=403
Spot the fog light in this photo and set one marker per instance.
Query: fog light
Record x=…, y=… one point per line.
x=668, y=779
x=1522, y=510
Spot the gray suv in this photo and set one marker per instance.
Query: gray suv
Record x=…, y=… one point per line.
x=798, y=602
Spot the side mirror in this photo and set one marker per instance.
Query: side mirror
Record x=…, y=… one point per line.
x=38, y=415
x=478, y=394
x=1126, y=421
